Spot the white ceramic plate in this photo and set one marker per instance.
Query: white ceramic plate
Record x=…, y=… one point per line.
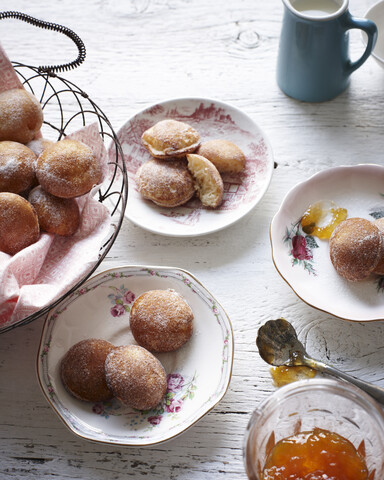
x=212, y=119
x=198, y=374
x=304, y=261
x=376, y=14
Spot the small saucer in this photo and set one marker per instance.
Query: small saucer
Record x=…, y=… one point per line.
x=198, y=374
x=303, y=260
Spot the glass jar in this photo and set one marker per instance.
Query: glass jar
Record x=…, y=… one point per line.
x=321, y=403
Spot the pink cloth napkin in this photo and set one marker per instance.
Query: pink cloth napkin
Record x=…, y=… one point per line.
x=42, y=272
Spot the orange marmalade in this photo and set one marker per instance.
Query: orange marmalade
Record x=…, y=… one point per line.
x=315, y=455
x=321, y=218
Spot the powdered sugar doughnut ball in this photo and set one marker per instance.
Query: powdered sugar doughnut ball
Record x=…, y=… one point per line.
x=56, y=215
x=167, y=183
x=136, y=377
x=82, y=370
x=356, y=247
x=68, y=169
x=21, y=115
x=161, y=320
x=225, y=155
x=17, y=167
x=19, y=226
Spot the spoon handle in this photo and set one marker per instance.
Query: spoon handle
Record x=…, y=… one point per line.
x=376, y=392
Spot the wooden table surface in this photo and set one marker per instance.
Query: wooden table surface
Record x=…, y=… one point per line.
x=138, y=53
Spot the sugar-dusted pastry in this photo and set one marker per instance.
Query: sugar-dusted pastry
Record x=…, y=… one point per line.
x=56, y=215
x=17, y=167
x=39, y=145
x=208, y=182
x=161, y=320
x=167, y=183
x=21, y=115
x=225, y=155
x=170, y=138
x=19, y=226
x=82, y=370
x=68, y=169
x=136, y=377
x=379, y=269
x=356, y=247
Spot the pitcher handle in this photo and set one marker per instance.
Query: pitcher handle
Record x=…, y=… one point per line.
x=370, y=28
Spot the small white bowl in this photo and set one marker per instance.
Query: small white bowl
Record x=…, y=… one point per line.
x=198, y=373
x=376, y=14
x=304, y=263
x=212, y=119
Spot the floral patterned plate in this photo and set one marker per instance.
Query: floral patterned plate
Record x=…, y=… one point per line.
x=198, y=374
x=303, y=260
x=212, y=119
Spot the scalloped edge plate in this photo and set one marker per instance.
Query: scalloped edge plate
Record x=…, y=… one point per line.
x=304, y=263
x=212, y=119
x=198, y=373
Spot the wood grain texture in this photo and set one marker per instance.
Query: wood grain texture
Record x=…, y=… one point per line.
x=140, y=52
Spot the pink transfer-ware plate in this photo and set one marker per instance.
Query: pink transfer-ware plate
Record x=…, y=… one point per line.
x=303, y=260
x=198, y=374
x=212, y=119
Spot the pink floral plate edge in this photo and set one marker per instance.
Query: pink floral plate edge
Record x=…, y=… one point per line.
x=274, y=235
x=76, y=425
x=242, y=192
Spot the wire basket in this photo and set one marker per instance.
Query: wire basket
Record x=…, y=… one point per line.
x=68, y=108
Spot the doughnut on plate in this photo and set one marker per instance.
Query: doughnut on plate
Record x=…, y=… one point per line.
x=198, y=374
x=304, y=262
x=212, y=119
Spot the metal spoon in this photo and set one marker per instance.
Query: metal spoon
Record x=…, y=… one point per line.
x=278, y=345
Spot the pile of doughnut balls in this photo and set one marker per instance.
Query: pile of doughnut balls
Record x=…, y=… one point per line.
x=39, y=179
x=356, y=248
x=95, y=370
x=181, y=165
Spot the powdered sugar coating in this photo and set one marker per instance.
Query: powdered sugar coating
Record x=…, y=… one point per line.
x=17, y=167
x=356, y=247
x=68, y=169
x=19, y=226
x=56, y=215
x=82, y=370
x=161, y=320
x=167, y=183
x=136, y=377
x=39, y=145
x=170, y=138
x=21, y=115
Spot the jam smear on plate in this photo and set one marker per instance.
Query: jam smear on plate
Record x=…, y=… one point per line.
x=321, y=218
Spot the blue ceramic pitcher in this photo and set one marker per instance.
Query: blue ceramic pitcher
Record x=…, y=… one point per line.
x=313, y=60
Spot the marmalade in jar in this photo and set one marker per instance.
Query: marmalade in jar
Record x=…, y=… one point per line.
x=321, y=218
x=315, y=455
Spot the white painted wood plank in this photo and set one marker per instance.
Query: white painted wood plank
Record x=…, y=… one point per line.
x=140, y=52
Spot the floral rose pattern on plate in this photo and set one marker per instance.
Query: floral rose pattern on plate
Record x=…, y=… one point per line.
x=300, y=247
x=121, y=299
x=178, y=391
